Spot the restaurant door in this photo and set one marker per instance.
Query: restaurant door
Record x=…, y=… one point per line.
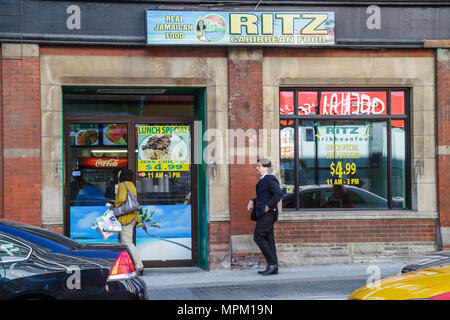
x=159, y=153
x=164, y=185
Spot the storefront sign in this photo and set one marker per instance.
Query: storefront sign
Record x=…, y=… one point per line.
x=260, y=28
x=163, y=148
x=337, y=170
x=340, y=103
x=357, y=103
x=85, y=163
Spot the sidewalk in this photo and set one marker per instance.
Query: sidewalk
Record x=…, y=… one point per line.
x=195, y=277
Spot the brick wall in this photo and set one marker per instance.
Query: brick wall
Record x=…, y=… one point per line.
x=324, y=242
x=56, y=229
x=21, y=136
x=218, y=245
x=356, y=231
x=443, y=142
x=243, y=180
x=245, y=112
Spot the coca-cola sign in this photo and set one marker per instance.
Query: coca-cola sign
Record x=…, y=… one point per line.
x=340, y=102
x=86, y=163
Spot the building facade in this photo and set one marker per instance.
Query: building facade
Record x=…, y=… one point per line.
x=351, y=105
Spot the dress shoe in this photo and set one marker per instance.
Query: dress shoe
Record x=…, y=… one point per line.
x=272, y=269
x=262, y=271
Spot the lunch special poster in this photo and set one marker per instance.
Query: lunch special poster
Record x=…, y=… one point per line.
x=163, y=148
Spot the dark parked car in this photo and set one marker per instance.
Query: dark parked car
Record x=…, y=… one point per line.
x=328, y=196
x=433, y=260
x=39, y=264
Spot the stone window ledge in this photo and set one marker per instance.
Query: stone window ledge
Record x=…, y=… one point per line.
x=309, y=215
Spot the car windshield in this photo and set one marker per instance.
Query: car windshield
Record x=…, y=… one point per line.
x=370, y=199
x=310, y=199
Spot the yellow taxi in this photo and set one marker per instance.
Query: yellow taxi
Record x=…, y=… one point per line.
x=430, y=283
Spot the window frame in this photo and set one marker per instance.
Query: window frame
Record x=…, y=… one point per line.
x=388, y=117
x=30, y=250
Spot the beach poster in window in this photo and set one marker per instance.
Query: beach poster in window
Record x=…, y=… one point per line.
x=82, y=219
x=167, y=235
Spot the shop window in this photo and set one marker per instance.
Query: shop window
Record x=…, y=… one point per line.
x=287, y=103
x=98, y=151
x=89, y=102
x=344, y=149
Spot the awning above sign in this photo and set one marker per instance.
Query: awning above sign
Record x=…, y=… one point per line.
x=374, y=24
x=260, y=28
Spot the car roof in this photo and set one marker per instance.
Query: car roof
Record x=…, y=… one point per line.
x=38, y=236
x=435, y=259
x=314, y=187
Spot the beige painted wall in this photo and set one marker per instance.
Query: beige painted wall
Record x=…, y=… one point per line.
x=58, y=71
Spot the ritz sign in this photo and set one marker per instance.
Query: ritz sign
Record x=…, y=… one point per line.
x=259, y=28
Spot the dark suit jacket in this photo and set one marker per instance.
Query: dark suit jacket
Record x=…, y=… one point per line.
x=268, y=193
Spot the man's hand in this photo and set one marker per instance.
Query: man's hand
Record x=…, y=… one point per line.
x=250, y=205
x=266, y=209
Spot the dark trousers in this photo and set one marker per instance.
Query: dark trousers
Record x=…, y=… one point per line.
x=263, y=237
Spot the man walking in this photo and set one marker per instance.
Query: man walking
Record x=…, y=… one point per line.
x=268, y=194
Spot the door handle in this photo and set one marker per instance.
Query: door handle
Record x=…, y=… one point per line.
x=212, y=167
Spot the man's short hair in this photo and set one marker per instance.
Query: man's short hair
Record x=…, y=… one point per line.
x=266, y=163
